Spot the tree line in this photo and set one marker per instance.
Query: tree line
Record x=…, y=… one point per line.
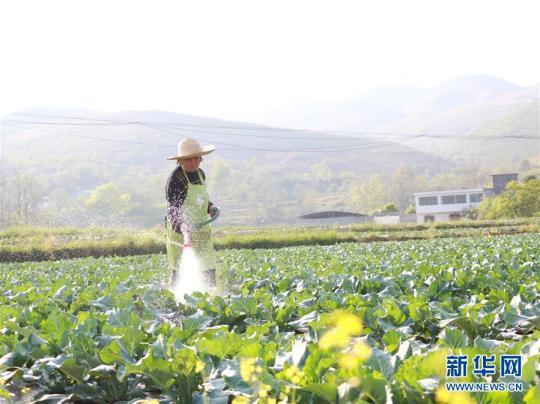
x=248, y=194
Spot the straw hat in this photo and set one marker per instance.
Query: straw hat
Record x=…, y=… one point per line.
x=189, y=148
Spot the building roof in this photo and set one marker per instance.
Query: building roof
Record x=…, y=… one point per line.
x=329, y=214
x=505, y=175
x=451, y=192
x=390, y=213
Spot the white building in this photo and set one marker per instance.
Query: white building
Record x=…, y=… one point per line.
x=386, y=218
x=393, y=218
x=442, y=206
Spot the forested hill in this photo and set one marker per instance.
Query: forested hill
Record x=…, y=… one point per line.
x=61, y=164
x=49, y=141
x=96, y=168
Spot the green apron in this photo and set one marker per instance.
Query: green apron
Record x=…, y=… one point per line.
x=195, y=210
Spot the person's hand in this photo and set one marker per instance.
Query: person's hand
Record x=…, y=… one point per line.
x=186, y=233
x=177, y=227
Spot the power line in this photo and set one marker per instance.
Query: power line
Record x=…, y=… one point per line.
x=116, y=122
x=68, y=123
x=261, y=128
x=191, y=127
x=336, y=149
x=340, y=148
x=206, y=130
x=159, y=127
x=90, y=137
x=306, y=150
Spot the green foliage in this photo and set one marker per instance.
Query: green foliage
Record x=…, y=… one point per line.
x=107, y=198
x=411, y=210
x=29, y=243
x=250, y=191
x=107, y=330
x=390, y=207
x=472, y=213
x=518, y=200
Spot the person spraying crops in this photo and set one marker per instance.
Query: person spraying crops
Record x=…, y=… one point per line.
x=189, y=213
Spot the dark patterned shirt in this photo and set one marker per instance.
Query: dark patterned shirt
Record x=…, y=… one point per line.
x=176, y=192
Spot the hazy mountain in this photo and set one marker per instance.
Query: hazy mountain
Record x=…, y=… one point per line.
x=363, y=113
x=137, y=143
x=511, y=139
x=434, y=120
x=391, y=104
x=457, y=92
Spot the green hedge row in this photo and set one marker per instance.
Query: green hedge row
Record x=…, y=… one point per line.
x=126, y=245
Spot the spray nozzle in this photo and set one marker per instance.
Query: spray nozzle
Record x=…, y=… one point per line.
x=186, y=233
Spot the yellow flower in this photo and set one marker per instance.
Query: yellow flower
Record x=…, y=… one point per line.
x=296, y=379
x=444, y=396
x=199, y=366
x=361, y=351
x=247, y=368
x=348, y=323
x=348, y=361
x=334, y=338
x=290, y=372
x=240, y=400
x=345, y=326
x=295, y=375
x=263, y=390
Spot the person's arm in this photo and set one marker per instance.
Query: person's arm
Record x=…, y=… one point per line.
x=176, y=192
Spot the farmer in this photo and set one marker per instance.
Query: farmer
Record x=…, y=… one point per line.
x=188, y=205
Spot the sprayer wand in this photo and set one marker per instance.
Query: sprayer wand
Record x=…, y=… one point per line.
x=187, y=239
x=215, y=214
x=187, y=233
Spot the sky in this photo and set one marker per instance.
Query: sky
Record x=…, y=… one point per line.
x=237, y=59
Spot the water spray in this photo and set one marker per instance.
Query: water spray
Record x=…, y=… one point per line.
x=190, y=277
x=187, y=236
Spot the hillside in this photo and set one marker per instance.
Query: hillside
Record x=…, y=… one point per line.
x=516, y=131
x=142, y=140
x=258, y=173
x=365, y=112
x=443, y=115
x=450, y=125
x=453, y=135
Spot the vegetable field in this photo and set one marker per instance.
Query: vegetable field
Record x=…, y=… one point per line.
x=20, y=244
x=344, y=323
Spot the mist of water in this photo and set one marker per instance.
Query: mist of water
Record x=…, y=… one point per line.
x=190, y=278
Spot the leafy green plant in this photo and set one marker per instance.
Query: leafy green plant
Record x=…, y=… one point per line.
x=350, y=322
